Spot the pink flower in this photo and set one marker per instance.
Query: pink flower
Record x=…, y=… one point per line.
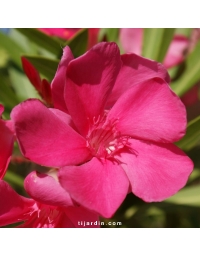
x=51, y=206
x=65, y=33
x=6, y=145
x=131, y=40
x=123, y=118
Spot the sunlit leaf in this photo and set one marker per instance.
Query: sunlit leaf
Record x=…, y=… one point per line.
x=183, y=31
x=49, y=43
x=187, y=196
x=13, y=49
x=156, y=42
x=23, y=88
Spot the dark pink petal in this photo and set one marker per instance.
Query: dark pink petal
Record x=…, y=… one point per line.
x=44, y=138
x=58, y=83
x=6, y=147
x=46, y=92
x=1, y=109
x=99, y=185
x=80, y=216
x=90, y=79
x=32, y=74
x=13, y=207
x=45, y=189
x=150, y=111
x=131, y=40
x=92, y=37
x=176, y=51
x=156, y=171
x=135, y=70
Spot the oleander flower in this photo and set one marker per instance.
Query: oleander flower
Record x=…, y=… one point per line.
x=6, y=145
x=113, y=132
x=49, y=207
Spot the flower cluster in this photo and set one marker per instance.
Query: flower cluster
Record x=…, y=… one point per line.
x=105, y=128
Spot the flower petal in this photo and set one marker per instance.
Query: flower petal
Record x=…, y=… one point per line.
x=98, y=185
x=44, y=138
x=156, y=171
x=13, y=206
x=150, y=111
x=90, y=79
x=6, y=147
x=58, y=83
x=135, y=70
x=45, y=189
x=175, y=53
x=1, y=109
x=131, y=40
x=82, y=218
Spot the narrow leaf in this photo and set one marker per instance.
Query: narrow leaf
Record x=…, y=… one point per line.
x=191, y=74
x=13, y=49
x=192, y=136
x=156, y=42
x=44, y=65
x=78, y=43
x=187, y=196
x=51, y=44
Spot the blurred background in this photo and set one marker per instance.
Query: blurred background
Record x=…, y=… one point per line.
x=179, y=51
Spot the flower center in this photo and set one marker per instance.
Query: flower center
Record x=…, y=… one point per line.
x=44, y=217
x=103, y=138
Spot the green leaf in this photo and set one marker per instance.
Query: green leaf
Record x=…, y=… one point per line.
x=192, y=136
x=78, y=43
x=7, y=96
x=44, y=65
x=13, y=49
x=14, y=179
x=111, y=34
x=191, y=74
x=23, y=88
x=183, y=31
x=187, y=196
x=156, y=42
x=51, y=44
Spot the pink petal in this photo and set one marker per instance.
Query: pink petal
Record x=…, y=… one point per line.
x=13, y=207
x=1, y=109
x=175, y=53
x=150, y=111
x=156, y=171
x=59, y=80
x=90, y=79
x=44, y=138
x=45, y=189
x=99, y=185
x=92, y=37
x=6, y=147
x=135, y=70
x=32, y=74
x=80, y=216
x=131, y=40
